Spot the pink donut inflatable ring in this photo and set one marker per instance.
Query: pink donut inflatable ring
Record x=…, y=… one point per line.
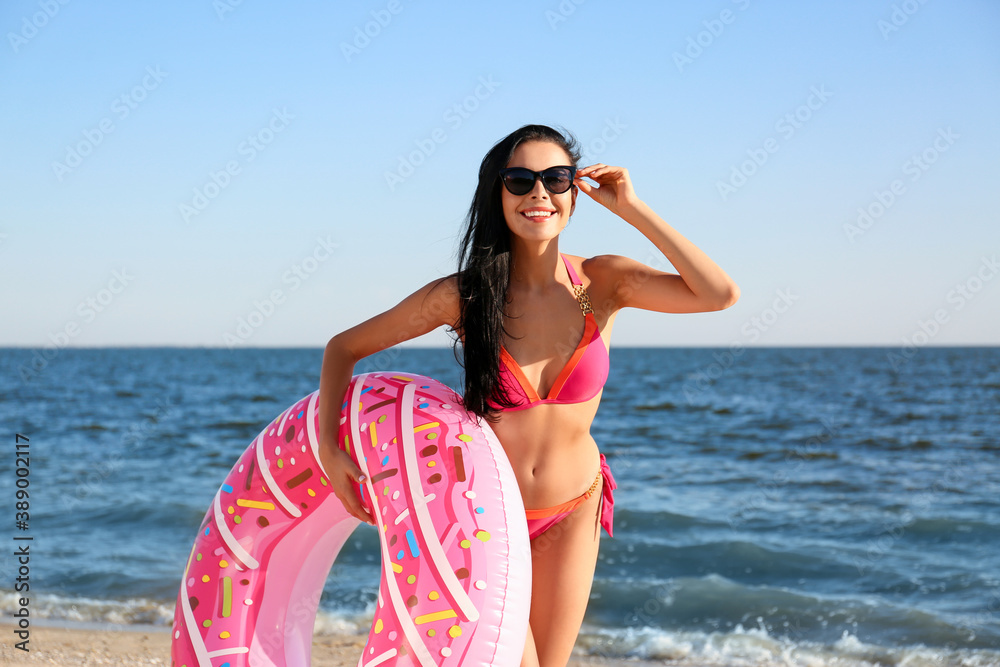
x=456, y=563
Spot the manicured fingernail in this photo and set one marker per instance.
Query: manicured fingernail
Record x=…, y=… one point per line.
x=362, y=478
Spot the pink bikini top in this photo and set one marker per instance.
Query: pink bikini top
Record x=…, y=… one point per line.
x=581, y=378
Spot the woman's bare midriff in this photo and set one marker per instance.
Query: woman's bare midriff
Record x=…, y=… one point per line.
x=555, y=459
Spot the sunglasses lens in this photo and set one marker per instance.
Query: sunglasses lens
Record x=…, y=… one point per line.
x=519, y=181
x=557, y=180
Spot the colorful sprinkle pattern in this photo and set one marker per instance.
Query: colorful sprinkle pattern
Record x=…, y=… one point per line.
x=454, y=545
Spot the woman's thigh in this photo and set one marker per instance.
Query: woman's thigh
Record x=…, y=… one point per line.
x=563, y=562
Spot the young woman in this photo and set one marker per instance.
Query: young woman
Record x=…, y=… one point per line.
x=535, y=326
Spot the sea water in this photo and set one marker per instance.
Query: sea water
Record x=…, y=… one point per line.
x=774, y=506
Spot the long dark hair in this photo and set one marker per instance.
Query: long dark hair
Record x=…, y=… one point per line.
x=484, y=272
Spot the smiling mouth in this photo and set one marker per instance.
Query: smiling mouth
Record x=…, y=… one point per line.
x=538, y=215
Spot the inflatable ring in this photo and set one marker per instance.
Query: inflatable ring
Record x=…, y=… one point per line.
x=456, y=565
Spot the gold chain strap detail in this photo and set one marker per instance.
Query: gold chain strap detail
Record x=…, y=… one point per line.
x=583, y=298
x=593, y=487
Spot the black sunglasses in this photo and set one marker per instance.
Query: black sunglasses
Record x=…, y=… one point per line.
x=521, y=181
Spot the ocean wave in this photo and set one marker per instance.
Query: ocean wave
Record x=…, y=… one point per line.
x=133, y=611
x=146, y=611
x=740, y=646
x=91, y=427
x=756, y=647
x=665, y=406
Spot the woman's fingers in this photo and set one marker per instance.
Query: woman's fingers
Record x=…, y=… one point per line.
x=613, y=185
x=591, y=167
x=597, y=171
x=353, y=506
x=344, y=475
x=345, y=492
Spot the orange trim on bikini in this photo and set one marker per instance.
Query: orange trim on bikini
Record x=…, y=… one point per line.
x=567, y=506
x=582, y=376
x=567, y=369
x=522, y=380
x=581, y=348
x=552, y=511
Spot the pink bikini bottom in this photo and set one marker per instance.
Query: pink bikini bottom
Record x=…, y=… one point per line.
x=541, y=520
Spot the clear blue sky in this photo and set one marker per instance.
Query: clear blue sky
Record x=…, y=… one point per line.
x=116, y=114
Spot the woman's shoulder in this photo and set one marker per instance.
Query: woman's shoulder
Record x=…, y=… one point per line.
x=443, y=298
x=607, y=277
x=600, y=268
x=445, y=288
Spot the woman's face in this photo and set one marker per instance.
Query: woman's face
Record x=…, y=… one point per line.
x=550, y=212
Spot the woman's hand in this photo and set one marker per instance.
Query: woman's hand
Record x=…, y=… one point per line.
x=615, y=192
x=344, y=473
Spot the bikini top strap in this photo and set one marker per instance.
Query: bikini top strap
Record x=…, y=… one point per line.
x=572, y=273
x=578, y=288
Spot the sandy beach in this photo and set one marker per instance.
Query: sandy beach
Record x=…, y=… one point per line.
x=137, y=646
x=84, y=646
